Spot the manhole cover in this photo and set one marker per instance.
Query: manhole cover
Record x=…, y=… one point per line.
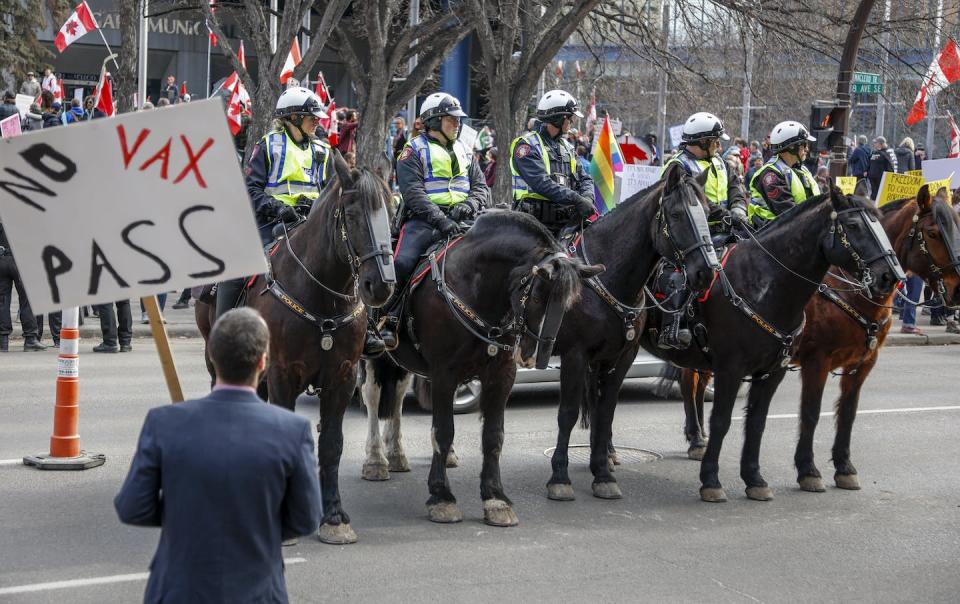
x=581, y=454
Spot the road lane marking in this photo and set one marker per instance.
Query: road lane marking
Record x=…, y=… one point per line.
x=35, y=587
x=867, y=412
x=11, y=462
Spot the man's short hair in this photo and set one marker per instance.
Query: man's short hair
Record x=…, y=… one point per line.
x=862, y=139
x=880, y=139
x=75, y=102
x=9, y=96
x=237, y=341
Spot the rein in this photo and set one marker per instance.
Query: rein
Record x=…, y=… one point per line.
x=917, y=233
x=629, y=314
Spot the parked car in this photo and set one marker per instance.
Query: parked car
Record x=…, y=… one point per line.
x=467, y=398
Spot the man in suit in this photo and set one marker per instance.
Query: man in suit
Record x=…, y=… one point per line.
x=227, y=477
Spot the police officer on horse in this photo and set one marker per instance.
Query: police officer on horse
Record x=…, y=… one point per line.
x=783, y=181
x=548, y=183
x=699, y=152
x=441, y=185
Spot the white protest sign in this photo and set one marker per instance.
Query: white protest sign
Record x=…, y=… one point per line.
x=676, y=135
x=23, y=102
x=468, y=136
x=939, y=169
x=140, y=204
x=10, y=126
x=636, y=178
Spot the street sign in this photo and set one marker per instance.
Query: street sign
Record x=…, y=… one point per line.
x=867, y=83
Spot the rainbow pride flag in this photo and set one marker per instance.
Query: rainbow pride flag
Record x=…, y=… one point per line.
x=605, y=165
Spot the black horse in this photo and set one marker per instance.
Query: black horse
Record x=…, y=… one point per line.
x=495, y=298
x=749, y=320
x=599, y=337
x=322, y=278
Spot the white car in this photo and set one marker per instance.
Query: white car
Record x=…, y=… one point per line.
x=467, y=399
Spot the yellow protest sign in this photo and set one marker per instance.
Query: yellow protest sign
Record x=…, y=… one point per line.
x=847, y=184
x=898, y=186
x=936, y=185
x=914, y=172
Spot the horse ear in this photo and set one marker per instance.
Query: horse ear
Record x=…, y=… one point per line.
x=587, y=271
x=942, y=195
x=923, y=199
x=701, y=178
x=671, y=178
x=342, y=169
x=544, y=270
x=862, y=189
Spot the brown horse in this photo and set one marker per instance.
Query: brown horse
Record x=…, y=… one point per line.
x=847, y=334
x=323, y=276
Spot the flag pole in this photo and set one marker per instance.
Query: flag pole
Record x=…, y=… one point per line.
x=103, y=74
x=208, y=65
x=110, y=52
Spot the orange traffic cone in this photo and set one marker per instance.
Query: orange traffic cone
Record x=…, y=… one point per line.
x=65, y=452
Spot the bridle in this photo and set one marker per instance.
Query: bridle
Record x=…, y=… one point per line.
x=704, y=243
x=917, y=233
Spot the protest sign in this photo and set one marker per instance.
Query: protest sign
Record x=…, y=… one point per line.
x=897, y=186
x=847, y=184
x=131, y=206
x=938, y=169
x=10, y=127
x=676, y=135
x=23, y=102
x=636, y=178
x=635, y=150
x=914, y=172
x=935, y=185
x=468, y=136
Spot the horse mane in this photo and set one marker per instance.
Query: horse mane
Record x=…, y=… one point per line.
x=632, y=199
x=496, y=221
x=785, y=221
x=895, y=206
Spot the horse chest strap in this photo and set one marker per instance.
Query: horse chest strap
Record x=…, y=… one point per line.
x=326, y=325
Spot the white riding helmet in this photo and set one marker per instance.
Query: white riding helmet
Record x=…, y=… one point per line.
x=557, y=102
x=786, y=134
x=299, y=101
x=701, y=126
x=439, y=104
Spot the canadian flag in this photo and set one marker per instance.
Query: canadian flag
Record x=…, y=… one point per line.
x=104, y=94
x=57, y=90
x=293, y=59
x=559, y=70
x=321, y=89
x=592, y=110
x=944, y=70
x=954, y=139
x=235, y=111
x=212, y=36
x=242, y=56
x=232, y=84
x=330, y=124
x=78, y=25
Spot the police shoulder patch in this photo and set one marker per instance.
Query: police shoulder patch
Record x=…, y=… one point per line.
x=521, y=151
x=770, y=185
x=407, y=152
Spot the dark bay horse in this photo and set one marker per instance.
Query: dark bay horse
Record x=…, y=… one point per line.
x=323, y=276
x=494, y=299
x=846, y=331
x=747, y=323
x=600, y=335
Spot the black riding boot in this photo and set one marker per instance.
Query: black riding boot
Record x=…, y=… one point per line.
x=670, y=289
x=672, y=333
x=389, y=332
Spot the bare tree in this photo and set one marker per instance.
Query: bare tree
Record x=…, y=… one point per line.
x=518, y=39
x=378, y=70
x=251, y=16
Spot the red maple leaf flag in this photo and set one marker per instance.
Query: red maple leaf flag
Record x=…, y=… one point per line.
x=954, y=139
x=321, y=90
x=77, y=26
x=235, y=111
x=212, y=36
x=242, y=56
x=58, y=91
x=293, y=59
x=944, y=70
x=104, y=95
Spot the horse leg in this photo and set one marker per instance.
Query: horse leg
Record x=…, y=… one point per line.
x=442, y=505
x=281, y=387
x=604, y=484
x=375, y=467
x=758, y=404
x=335, y=527
x=726, y=386
x=396, y=457
x=572, y=376
x=813, y=373
x=850, y=385
x=690, y=388
x=497, y=507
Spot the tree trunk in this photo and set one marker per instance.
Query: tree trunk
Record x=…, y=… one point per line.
x=506, y=126
x=372, y=130
x=125, y=79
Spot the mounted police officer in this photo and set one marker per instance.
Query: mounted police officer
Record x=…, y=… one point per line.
x=441, y=185
x=699, y=153
x=783, y=181
x=548, y=182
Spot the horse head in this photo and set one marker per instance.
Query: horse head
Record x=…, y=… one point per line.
x=364, y=209
x=934, y=251
x=681, y=234
x=857, y=242
x=539, y=296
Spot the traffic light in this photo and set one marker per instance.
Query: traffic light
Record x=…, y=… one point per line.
x=822, y=117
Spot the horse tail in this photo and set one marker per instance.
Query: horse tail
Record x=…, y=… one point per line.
x=670, y=374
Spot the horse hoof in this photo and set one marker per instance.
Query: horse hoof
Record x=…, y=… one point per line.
x=497, y=512
x=614, y=459
x=398, y=463
x=446, y=512
x=375, y=472
x=713, y=494
x=849, y=482
x=337, y=534
x=607, y=490
x=696, y=453
x=812, y=484
x=560, y=492
x=452, y=460
x=760, y=493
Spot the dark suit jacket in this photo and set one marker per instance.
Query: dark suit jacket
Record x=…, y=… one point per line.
x=228, y=477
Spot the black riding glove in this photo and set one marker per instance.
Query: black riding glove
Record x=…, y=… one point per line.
x=585, y=207
x=717, y=214
x=448, y=228
x=738, y=215
x=288, y=214
x=461, y=212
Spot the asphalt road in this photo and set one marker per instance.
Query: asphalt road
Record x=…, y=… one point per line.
x=896, y=540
